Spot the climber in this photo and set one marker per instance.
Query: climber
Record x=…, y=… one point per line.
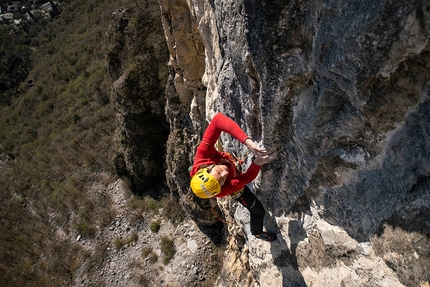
x=215, y=174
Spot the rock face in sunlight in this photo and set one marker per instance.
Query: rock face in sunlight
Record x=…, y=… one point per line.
x=341, y=91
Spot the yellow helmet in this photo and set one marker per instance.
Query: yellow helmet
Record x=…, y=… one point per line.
x=205, y=185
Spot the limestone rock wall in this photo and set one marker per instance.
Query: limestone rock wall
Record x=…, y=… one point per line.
x=340, y=89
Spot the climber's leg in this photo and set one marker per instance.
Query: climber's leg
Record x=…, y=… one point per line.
x=256, y=210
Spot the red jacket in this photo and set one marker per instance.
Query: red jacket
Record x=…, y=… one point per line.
x=206, y=154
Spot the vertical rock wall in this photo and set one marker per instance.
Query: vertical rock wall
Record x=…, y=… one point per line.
x=137, y=55
x=341, y=91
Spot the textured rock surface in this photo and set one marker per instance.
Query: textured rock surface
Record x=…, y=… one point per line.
x=137, y=56
x=185, y=107
x=341, y=91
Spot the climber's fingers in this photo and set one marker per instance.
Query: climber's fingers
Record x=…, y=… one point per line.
x=255, y=148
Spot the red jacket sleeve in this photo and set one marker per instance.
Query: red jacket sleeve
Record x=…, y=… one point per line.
x=206, y=150
x=240, y=181
x=220, y=123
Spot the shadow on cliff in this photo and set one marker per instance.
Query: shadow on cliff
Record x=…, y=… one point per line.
x=402, y=179
x=283, y=252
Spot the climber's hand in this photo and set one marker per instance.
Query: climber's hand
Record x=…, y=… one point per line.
x=258, y=151
x=261, y=160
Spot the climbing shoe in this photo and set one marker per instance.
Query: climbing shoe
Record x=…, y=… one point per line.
x=269, y=237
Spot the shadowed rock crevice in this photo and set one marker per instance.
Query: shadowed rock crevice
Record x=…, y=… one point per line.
x=137, y=60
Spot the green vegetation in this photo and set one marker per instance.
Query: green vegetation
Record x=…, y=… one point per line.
x=155, y=226
x=172, y=211
x=144, y=204
x=133, y=238
x=147, y=252
x=119, y=242
x=56, y=144
x=56, y=148
x=144, y=281
x=14, y=63
x=147, y=205
x=152, y=258
x=168, y=249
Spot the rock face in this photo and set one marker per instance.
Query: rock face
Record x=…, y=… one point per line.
x=341, y=91
x=137, y=56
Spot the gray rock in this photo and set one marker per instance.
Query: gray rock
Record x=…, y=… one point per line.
x=340, y=91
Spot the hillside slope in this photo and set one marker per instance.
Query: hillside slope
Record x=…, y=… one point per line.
x=84, y=200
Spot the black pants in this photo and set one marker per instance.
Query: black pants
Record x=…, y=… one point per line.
x=256, y=209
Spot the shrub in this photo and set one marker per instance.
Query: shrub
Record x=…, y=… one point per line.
x=155, y=226
x=97, y=257
x=133, y=238
x=153, y=258
x=85, y=228
x=168, y=249
x=172, y=211
x=144, y=205
x=148, y=253
x=118, y=243
x=144, y=281
x=86, y=253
